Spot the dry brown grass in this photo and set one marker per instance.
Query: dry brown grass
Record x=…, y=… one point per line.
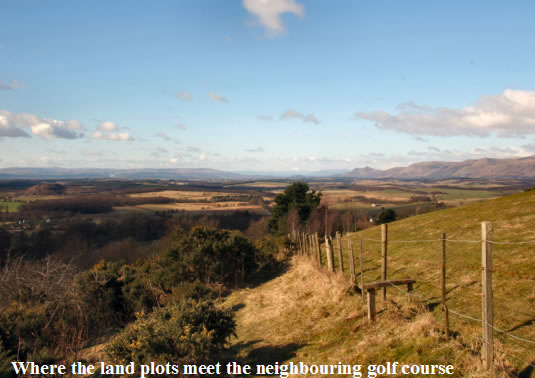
x=314, y=317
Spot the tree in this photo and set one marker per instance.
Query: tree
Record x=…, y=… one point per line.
x=296, y=202
x=386, y=216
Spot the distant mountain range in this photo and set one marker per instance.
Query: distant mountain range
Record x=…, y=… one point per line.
x=135, y=174
x=481, y=168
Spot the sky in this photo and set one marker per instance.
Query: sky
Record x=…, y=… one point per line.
x=264, y=85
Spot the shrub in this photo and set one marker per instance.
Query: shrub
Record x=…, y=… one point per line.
x=100, y=290
x=187, y=332
x=209, y=256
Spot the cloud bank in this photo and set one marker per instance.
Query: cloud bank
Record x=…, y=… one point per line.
x=14, y=125
x=510, y=114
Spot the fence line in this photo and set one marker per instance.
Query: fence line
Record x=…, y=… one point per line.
x=487, y=269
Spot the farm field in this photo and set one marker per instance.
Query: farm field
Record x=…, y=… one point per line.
x=201, y=207
x=202, y=201
x=188, y=195
x=10, y=205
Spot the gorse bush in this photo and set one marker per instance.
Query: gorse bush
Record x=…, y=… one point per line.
x=48, y=311
x=209, y=256
x=187, y=332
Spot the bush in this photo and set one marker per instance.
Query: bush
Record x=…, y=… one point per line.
x=273, y=249
x=188, y=332
x=209, y=256
x=100, y=290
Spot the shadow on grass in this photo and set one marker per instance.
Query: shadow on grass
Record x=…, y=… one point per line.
x=269, y=354
x=523, y=324
x=253, y=355
x=267, y=273
x=237, y=307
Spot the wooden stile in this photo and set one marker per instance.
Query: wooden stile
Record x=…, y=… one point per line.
x=371, y=287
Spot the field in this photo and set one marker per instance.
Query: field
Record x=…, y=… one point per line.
x=202, y=201
x=10, y=205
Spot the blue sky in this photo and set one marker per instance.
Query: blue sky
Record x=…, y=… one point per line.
x=266, y=85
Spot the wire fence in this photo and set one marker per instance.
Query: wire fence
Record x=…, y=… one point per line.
x=500, y=269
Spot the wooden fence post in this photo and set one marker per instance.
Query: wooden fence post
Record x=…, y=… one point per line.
x=444, y=305
x=361, y=270
x=351, y=260
x=486, y=283
x=340, y=255
x=318, y=249
x=384, y=245
x=328, y=251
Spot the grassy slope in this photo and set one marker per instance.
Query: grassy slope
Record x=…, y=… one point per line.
x=301, y=316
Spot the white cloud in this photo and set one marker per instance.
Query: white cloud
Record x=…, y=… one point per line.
x=268, y=13
x=107, y=126
x=181, y=126
x=202, y=157
x=183, y=96
x=8, y=128
x=215, y=97
x=290, y=113
x=109, y=130
x=14, y=85
x=124, y=136
x=11, y=125
x=510, y=114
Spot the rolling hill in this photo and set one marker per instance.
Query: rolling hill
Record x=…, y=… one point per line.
x=482, y=168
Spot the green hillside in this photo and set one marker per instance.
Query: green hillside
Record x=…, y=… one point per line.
x=309, y=315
